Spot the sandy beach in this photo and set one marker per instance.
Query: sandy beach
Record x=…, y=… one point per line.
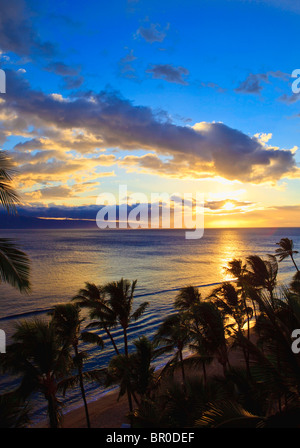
x=109, y=412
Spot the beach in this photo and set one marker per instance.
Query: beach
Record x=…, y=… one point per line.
x=109, y=412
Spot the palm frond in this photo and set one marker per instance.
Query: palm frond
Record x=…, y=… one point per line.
x=14, y=265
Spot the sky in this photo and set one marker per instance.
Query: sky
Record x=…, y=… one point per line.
x=160, y=96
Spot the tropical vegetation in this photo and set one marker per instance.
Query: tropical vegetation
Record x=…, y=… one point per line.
x=231, y=358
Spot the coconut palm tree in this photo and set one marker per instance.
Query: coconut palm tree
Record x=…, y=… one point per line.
x=8, y=197
x=173, y=334
x=67, y=322
x=120, y=299
x=233, y=304
x=295, y=284
x=213, y=332
x=133, y=373
x=42, y=361
x=14, y=263
x=120, y=296
x=262, y=274
x=93, y=298
x=143, y=370
x=189, y=301
x=286, y=249
x=238, y=271
x=187, y=298
x=14, y=412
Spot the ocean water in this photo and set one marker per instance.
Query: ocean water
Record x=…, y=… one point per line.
x=162, y=261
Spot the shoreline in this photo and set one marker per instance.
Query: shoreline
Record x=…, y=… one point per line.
x=109, y=412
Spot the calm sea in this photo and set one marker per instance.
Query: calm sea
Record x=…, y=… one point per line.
x=161, y=260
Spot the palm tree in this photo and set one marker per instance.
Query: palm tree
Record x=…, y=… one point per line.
x=14, y=412
x=187, y=298
x=120, y=299
x=295, y=284
x=189, y=301
x=143, y=371
x=213, y=332
x=14, y=263
x=174, y=334
x=262, y=274
x=233, y=304
x=134, y=373
x=8, y=196
x=67, y=322
x=238, y=270
x=286, y=249
x=93, y=298
x=38, y=355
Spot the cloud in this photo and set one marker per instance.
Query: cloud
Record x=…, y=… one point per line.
x=214, y=86
x=219, y=205
x=289, y=99
x=60, y=68
x=55, y=192
x=17, y=33
x=152, y=34
x=70, y=75
x=72, y=82
x=252, y=84
x=126, y=68
x=91, y=122
x=169, y=73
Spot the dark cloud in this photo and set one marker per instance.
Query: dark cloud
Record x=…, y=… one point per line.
x=213, y=85
x=126, y=68
x=217, y=205
x=205, y=150
x=17, y=33
x=289, y=99
x=152, y=34
x=72, y=82
x=169, y=73
x=60, y=68
x=252, y=84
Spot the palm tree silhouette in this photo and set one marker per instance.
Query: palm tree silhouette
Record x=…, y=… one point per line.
x=38, y=355
x=286, y=249
x=232, y=303
x=120, y=300
x=173, y=334
x=262, y=274
x=14, y=263
x=93, y=298
x=67, y=322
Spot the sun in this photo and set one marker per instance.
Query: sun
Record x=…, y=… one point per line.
x=228, y=206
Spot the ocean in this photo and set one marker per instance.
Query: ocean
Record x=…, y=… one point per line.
x=162, y=261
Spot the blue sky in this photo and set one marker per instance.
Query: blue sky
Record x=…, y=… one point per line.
x=146, y=74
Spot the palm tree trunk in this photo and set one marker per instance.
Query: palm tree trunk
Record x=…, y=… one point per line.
x=112, y=340
x=182, y=367
x=129, y=400
x=53, y=411
x=126, y=354
x=82, y=389
x=125, y=342
x=204, y=373
x=294, y=262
